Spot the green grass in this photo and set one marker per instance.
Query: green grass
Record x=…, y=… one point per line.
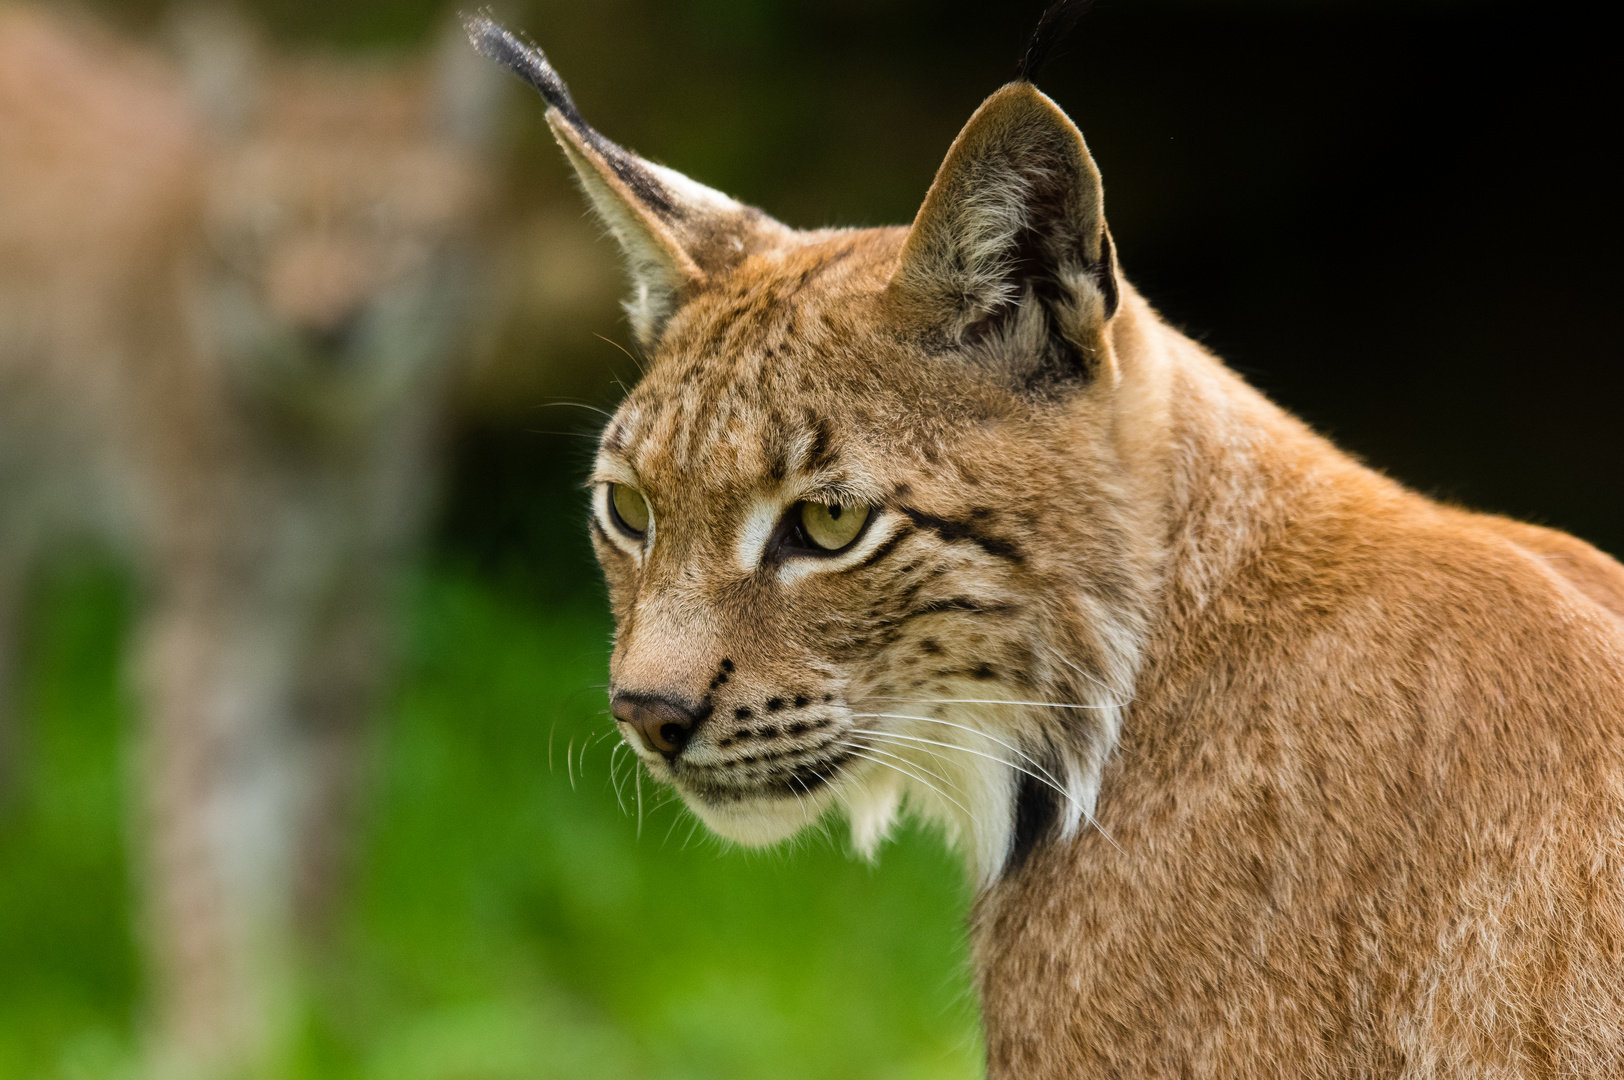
x=511, y=920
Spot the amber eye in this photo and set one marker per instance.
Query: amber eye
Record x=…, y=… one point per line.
x=832, y=527
x=629, y=509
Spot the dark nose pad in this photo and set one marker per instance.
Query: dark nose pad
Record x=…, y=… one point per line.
x=662, y=724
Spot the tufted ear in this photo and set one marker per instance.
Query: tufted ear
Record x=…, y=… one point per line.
x=222, y=57
x=1009, y=254
x=676, y=234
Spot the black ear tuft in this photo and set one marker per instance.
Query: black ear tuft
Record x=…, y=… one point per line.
x=529, y=63
x=1053, y=26
x=676, y=234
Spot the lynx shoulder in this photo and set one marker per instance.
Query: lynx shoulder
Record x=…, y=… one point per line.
x=1263, y=765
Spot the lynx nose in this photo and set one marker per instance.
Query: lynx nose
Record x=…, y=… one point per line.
x=662, y=724
x=333, y=338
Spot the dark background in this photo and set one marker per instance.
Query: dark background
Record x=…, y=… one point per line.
x=1395, y=218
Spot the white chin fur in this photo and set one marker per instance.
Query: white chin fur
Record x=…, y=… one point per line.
x=961, y=771
x=873, y=809
x=760, y=822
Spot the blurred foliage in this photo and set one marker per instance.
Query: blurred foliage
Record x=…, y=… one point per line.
x=353, y=24
x=69, y=969
x=517, y=917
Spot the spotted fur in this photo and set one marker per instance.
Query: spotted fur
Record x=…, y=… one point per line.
x=1262, y=764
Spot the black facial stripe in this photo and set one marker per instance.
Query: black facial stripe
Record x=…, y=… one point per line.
x=1037, y=811
x=884, y=549
x=813, y=271
x=601, y=534
x=953, y=531
x=888, y=630
x=957, y=603
x=777, y=451
x=961, y=603
x=821, y=456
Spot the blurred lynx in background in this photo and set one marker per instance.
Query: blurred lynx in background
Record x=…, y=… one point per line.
x=232, y=298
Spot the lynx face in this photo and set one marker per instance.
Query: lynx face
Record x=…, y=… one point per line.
x=861, y=521
x=829, y=586
x=340, y=220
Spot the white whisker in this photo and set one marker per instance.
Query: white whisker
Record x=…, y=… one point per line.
x=916, y=764
x=1017, y=766
x=1048, y=780
x=675, y=820
x=591, y=741
x=1095, y=680
x=614, y=775
x=1012, y=748
x=637, y=780
x=996, y=701
x=911, y=776
x=798, y=799
x=575, y=405
x=851, y=810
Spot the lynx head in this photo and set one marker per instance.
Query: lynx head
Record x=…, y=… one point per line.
x=343, y=203
x=862, y=521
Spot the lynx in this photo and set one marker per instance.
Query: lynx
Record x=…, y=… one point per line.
x=1262, y=765
x=231, y=302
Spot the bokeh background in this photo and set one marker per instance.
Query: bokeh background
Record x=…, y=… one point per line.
x=1395, y=217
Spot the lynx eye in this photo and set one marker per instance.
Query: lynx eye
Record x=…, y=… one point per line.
x=629, y=509
x=832, y=527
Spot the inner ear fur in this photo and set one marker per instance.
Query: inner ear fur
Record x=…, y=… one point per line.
x=676, y=234
x=1009, y=254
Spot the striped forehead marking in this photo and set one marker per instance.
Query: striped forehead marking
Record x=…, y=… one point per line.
x=781, y=457
x=731, y=431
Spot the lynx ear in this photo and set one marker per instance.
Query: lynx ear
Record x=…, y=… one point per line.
x=221, y=55
x=676, y=234
x=1010, y=253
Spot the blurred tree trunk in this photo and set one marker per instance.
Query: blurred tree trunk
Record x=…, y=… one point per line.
x=348, y=658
